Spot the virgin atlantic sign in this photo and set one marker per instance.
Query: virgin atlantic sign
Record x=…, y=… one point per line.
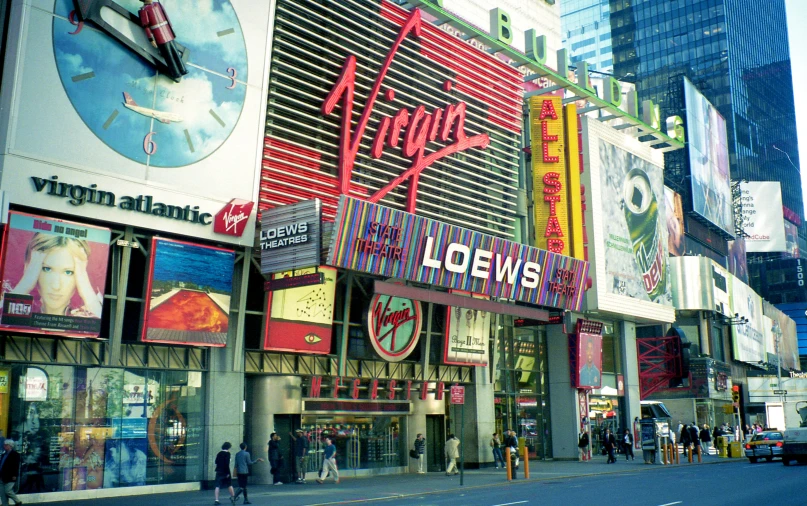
x=394, y=325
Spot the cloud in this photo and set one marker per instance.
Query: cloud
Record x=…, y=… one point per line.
x=73, y=63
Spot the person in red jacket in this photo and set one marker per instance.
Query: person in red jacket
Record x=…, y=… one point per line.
x=158, y=29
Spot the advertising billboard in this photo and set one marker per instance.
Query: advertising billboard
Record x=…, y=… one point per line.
x=467, y=335
x=326, y=138
x=589, y=360
x=675, y=222
x=788, y=340
x=122, y=138
x=300, y=319
x=747, y=339
x=54, y=275
x=629, y=219
x=378, y=240
x=763, y=216
x=188, y=294
x=791, y=239
x=708, y=160
x=290, y=237
x=738, y=262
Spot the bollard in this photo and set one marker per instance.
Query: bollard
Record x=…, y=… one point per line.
x=526, y=464
x=688, y=449
x=667, y=454
x=677, y=455
x=700, y=459
x=507, y=462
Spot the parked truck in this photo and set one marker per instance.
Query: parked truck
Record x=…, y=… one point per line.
x=795, y=443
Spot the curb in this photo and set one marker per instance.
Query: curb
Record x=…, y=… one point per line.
x=519, y=482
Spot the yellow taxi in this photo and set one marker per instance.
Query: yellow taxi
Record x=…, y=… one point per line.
x=764, y=445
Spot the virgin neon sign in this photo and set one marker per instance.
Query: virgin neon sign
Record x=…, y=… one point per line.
x=418, y=127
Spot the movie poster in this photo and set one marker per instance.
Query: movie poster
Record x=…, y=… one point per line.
x=54, y=275
x=467, y=334
x=188, y=293
x=589, y=360
x=301, y=319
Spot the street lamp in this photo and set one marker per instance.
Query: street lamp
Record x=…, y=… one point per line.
x=777, y=334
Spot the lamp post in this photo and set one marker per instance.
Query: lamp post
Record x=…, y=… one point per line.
x=777, y=334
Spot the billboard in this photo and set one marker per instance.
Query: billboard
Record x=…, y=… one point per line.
x=763, y=216
x=325, y=140
x=629, y=220
x=300, y=319
x=674, y=208
x=467, y=335
x=708, y=160
x=54, y=275
x=121, y=139
x=747, y=339
x=738, y=262
x=788, y=343
x=589, y=360
x=378, y=240
x=290, y=237
x=188, y=294
x=791, y=239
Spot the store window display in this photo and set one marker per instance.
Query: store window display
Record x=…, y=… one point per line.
x=89, y=428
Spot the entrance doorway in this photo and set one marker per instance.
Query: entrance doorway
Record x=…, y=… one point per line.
x=435, y=443
x=285, y=424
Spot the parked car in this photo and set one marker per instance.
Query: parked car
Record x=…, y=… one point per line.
x=765, y=445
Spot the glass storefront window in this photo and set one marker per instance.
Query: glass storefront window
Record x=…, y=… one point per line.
x=88, y=428
x=362, y=441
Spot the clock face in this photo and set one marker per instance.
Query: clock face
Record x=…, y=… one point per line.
x=133, y=108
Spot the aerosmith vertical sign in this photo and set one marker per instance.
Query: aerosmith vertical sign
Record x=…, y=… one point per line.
x=390, y=109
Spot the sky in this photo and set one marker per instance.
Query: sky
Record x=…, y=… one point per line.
x=797, y=36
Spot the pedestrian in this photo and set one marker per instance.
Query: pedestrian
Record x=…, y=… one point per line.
x=695, y=439
x=627, y=445
x=329, y=463
x=301, y=445
x=582, y=444
x=452, y=454
x=511, y=441
x=609, y=443
x=706, y=439
x=223, y=476
x=420, y=449
x=275, y=458
x=9, y=470
x=496, y=444
x=242, y=462
x=685, y=439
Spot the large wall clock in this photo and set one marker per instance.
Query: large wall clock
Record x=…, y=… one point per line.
x=129, y=102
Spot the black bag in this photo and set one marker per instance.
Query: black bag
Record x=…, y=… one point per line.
x=413, y=454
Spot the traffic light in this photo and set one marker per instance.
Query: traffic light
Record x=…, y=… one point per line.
x=735, y=393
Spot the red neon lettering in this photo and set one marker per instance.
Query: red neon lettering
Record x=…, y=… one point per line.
x=545, y=133
x=424, y=391
x=355, y=391
x=315, y=386
x=441, y=388
x=552, y=185
x=374, y=390
x=337, y=384
x=391, y=387
x=409, y=390
x=552, y=199
x=420, y=127
x=383, y=317
x=555, y=245
x=547, y=110
x=547, y=158
x=553, y=227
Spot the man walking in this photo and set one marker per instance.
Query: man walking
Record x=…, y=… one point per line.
x=452, y=454
x=694, y=437
x=420, y=448
x=609, y=443
x=301, y=445
x=329, y=463
x=627, y=444
x=9, y=467
x=242, y=462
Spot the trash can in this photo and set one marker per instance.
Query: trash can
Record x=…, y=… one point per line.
x=722, y=445
x=736, y=450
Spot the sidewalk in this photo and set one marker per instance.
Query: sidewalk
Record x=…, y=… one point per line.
x=351, y=490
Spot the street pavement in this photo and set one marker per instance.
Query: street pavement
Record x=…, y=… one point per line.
x=489, y=487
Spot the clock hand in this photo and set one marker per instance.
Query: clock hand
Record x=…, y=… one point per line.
x=125, y=27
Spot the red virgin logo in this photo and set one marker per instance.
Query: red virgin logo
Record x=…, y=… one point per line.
x=232, y=219
x=394, y=326
x=417, y=127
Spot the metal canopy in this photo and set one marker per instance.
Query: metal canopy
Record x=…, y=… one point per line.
x=635, y=127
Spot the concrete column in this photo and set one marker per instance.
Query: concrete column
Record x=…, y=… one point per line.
x=704, y=334
x=562, y=396
x=417, y=423
x=480, y=420
x=224, y=417
x=630, y=371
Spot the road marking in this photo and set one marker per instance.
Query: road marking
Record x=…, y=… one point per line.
x=509, y=503
x=671, y=503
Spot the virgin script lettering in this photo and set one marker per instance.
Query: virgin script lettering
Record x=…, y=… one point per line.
x=418, y=127
x=391, y=321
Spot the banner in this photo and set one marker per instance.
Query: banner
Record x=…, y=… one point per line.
x=467, y=334
x=748, y=338
x=763, y=217
x=589, y=360
x=791, y=239
x=189, y=291
x=708, y=160
x=301, y=319
x=54, y=274
x=738, y=262
x=676, y=239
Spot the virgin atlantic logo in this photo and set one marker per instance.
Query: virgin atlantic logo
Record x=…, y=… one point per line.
x=232, y=219
x=394, y=326
x=418, y=127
